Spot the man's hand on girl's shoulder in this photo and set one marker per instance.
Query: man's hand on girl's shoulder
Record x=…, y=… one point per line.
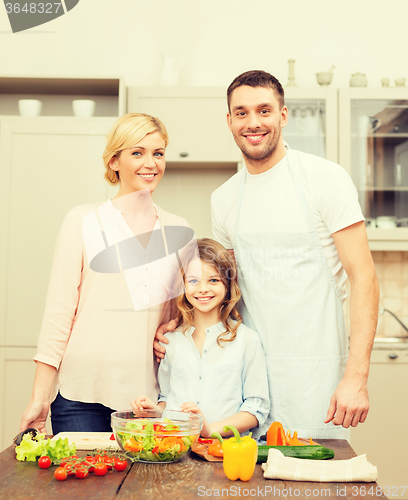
x=158, y=350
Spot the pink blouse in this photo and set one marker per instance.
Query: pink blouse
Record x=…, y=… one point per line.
x=101, y=346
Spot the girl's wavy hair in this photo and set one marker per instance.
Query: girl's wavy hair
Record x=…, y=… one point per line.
x=213, y=253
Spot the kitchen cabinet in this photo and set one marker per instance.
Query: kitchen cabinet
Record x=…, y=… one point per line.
x=17, y=370
x=57, y=94
x=201, y=154
x=195, y=119
x=383, y=436
x=47, y=166
x=373, y=147
x=312, y=124
x=202, y=151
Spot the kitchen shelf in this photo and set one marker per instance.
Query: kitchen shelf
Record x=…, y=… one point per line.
x=388, y=239
x=367, y=188
x=57, y=94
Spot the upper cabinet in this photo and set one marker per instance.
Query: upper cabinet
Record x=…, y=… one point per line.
x=312, y=124
x=373, y=148
x=48, y=165
x=57, y=94
x=195, y=119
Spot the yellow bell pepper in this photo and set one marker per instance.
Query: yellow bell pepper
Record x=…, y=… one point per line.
x=240, y=455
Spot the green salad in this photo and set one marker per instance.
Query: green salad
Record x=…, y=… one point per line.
x=154, y=442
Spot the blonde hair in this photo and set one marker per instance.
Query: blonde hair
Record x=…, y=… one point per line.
x=213, y=253
x=126, y=132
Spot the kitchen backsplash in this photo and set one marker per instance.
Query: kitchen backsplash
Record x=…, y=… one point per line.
x=392, y=272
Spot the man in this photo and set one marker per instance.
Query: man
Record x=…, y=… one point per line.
x=296, y=229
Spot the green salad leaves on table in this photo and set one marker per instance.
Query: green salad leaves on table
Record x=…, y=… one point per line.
x=152, y=442
x=31, y=448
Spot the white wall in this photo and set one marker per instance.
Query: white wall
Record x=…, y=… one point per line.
x=218, y=39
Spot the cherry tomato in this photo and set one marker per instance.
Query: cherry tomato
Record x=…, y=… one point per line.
x=81, y=473
x=109, y=461
x=88, y=461
x=101, y=469
x=44, y=462
x=70, y=469
x=60, y=474
x=120, y=465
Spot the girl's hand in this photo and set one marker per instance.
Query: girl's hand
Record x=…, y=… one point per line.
x=191, y=407
x=142, y=403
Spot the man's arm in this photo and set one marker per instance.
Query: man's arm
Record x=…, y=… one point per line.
x=349, y=404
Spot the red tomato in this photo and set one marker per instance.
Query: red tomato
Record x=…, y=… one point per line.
x=101, y=469
x=112, y=438
x=44, y=462
x=88, y=461
x=109, y=461
x=120, y=465
x=70, y=469
x=81, y=473
x=60, y=474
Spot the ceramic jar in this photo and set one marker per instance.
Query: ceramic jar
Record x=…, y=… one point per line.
x=358, y=80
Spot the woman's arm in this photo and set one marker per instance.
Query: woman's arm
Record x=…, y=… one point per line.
x=38, y=408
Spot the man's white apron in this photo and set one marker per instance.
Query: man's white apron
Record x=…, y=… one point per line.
x=291, y=299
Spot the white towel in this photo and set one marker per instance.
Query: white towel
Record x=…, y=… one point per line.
x=297, y=469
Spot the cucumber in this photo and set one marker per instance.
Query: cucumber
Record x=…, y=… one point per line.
x=311, y=452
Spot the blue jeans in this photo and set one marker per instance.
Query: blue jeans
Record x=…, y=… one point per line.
x=74, y=416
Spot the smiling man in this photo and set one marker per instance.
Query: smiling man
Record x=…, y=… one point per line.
x=297, y=232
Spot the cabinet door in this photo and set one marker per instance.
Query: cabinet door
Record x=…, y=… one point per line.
x=195, y=120
x=312, y=121
x=47, y=166
x=383, y=436
x=17, y=370
x=373, y=148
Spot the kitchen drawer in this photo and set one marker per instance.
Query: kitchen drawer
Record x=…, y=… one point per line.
x=390, y=356
x=195, y=119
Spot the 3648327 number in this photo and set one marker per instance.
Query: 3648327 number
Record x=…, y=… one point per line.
x=378, y=491
x=33, y=8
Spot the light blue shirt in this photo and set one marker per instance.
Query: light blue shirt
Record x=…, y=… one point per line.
x=222, y=381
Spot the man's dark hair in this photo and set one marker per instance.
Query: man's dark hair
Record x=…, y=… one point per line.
x=257, y=78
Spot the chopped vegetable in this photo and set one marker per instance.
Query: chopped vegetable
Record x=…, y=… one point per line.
x=275, y=435
x=293, y=441
x=153, y=442
x=215, y=449
x=240, y=455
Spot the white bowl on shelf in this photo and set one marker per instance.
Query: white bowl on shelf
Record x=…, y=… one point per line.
x=29, y=107
x=385, y=222
x=83, y=108
x=324, y=78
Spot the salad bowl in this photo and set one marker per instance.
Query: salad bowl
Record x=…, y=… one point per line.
x=155, y=436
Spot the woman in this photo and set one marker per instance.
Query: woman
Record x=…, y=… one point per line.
x=103, y=307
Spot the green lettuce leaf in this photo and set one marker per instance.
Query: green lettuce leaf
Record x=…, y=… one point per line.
x=31, y=448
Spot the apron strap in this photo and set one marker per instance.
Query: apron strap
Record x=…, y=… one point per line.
x=106, y=241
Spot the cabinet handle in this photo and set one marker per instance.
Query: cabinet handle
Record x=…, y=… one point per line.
x=393, y=356
x=184, y=154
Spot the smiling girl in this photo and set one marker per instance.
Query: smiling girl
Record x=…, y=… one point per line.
x=214, y=365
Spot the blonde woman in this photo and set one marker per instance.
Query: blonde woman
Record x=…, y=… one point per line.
x=110, y=288
x=214, y=365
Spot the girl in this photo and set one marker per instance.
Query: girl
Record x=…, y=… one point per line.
x=214, y=365
x=96, y=338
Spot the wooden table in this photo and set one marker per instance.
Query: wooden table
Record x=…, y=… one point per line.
x=191, y=478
